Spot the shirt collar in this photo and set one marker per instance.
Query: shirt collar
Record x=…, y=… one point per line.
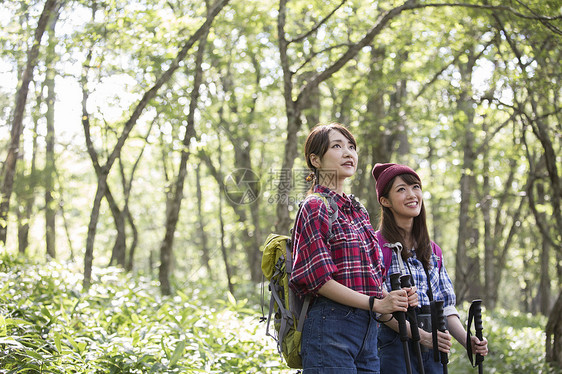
x=342, y=200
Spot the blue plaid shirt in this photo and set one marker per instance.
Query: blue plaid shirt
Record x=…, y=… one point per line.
x=441, y=284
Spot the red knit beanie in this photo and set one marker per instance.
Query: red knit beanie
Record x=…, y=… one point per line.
x=384, y=173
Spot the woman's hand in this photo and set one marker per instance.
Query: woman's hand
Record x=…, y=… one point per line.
x=479, y=346
x=395, y=301
x=412, y=296
x=444, y=340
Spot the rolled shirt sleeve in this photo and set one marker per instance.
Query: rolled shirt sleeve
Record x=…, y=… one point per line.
x=313, y=265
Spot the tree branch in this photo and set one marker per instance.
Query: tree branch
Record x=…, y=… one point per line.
x=317, y=26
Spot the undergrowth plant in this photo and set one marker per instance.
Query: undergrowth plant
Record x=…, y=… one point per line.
x=48, y=324
x=122, y=325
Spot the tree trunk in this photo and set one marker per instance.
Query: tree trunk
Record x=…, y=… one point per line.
x=9, y=166
x=119, y=246
x=554, y=334
x=232, y=123
x=400, y=132
x=224, y=253
x=489, y=245
x=203, y=240
x=311, y=103
x=118, y=253
x=544, y=290
x=49, y=174
x=94, y=217
x=463, y=266
x=25, y=192
x=380, y=142
x=467, y=264
x=172, y=214
x=127, y=187
x=131, y=260
x=542, y=131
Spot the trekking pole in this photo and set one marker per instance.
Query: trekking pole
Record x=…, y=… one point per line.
x=401, y=318
x=475, y=312
x=405, y=282
x=438, y=324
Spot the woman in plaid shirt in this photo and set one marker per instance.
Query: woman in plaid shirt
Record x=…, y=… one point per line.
x=341, y=265
x=403, y=220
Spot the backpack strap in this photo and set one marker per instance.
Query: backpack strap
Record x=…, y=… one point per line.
x=386, y=252
x=333, y=214
x=439, y=253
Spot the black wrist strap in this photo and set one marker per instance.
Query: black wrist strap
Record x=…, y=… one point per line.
x=372, y=312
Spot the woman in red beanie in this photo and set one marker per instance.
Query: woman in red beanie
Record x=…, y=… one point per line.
x=403, y=220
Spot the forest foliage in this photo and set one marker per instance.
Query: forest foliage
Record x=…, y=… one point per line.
x=164, y=139
x=49, y=324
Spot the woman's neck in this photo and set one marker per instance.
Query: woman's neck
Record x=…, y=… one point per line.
x=406, y=228
x=331, y=182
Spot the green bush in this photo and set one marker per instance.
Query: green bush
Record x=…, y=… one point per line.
x=122, y=325
x=48, y=324
x=516, y=343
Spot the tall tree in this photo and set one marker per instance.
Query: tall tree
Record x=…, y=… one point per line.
x=127, y=127
x=201, y=226
x=538, y=108
x=241, y=117
x=26, y=183
x=127, y=188
x=49, y=173
x=173, y=204
x=467, y=264
x=9, y=165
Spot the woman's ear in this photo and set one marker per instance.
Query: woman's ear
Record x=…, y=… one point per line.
x=315, y=160
x=384, y=202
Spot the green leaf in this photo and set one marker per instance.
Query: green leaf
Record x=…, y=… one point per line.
x=231, y=298
x=57, y=342
x=165, y=349
x=178, y=352
x=3, y=329
x=46, y=313
x=34, y=355
x=17, y=322
x=9, y=340
x=73, y=343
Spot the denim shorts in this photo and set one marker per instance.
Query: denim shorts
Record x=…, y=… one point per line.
x=338, y=339
x=391, y=353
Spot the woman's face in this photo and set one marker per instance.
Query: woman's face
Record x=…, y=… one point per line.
x=404, y=200
x=340, y=160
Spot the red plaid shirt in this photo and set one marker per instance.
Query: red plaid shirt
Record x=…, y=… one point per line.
x=352, y=257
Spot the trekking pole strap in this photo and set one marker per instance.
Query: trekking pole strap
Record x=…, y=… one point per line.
x=401, y=318
x=405, y=282
x=474, y=313
x=438, y=323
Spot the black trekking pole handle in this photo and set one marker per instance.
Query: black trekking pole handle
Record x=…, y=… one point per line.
x=478, y=328
x=438, y=324
x=401, y=318
x=405, y=282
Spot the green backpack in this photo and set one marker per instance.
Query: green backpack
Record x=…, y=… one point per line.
x=286, y=307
